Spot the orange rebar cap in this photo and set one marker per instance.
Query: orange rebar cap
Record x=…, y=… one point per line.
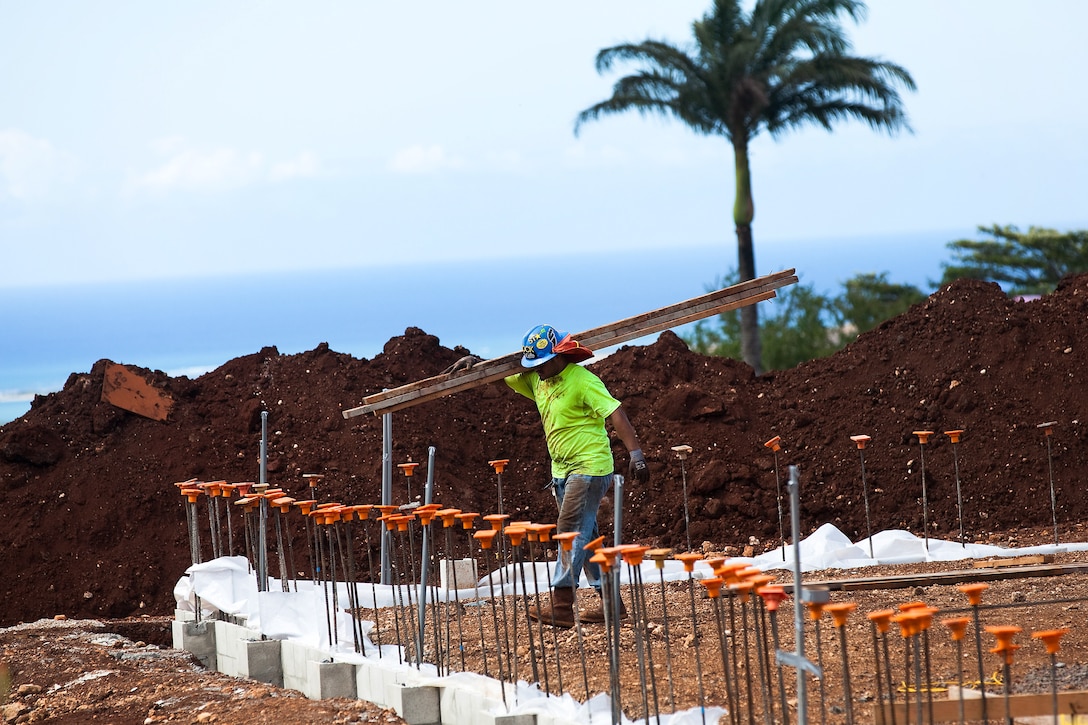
x=515, y=534
x=713, y=586
x=840, y=611
x=602, y=560
x=448, y=516
x=485, y=537
x=658, y=556
x=957, y=626
x=688, y=559
x=772, y=596
x=499, y=464
x=954, y=434
x=923, y=436
x=466, y=519
x=1051, y=638
x=774, y=444
x=860, y=440
x=594, y=545
x=633, y=553
x=908, y=624
x=496, y=520
x=815, y=609
x=566, y=539
x=974, y=592
x=544, y=531
x=1003, y=633
x=881, y=619
x=407, y=468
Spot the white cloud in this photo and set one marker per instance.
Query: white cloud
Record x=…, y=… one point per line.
x=221, y=169
x=30, y=167
x=421, y=159
x=581, y=156
x=302, y=166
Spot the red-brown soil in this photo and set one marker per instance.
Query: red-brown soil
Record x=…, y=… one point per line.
x=93, y=526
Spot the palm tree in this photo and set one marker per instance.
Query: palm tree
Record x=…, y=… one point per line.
x=784, y=65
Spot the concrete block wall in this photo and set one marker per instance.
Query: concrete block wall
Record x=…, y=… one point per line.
x=416, y=696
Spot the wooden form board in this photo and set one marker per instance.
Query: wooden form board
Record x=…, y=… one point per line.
x=903, y=581
x=1020, y=706
x=616, y=333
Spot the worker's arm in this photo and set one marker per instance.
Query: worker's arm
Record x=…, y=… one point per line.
x=622, y=425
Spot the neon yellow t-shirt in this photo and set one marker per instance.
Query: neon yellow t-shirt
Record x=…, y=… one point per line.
x=573, y=406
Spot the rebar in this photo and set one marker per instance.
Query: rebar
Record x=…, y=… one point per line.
x=682, y=453
x=860, y=441
x=923, y=437
x=775, y=445
x=689, y=559
x=1048, y=430
x=954, y=435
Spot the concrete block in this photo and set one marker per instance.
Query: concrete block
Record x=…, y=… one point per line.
x=293, y=658
x=261, y=661
x=418, y=705
x=329, y=679
x=465, y=569
x=199, y=639
x=226, y=646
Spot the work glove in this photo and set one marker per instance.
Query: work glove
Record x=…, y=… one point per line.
x=464, y=363
x=637, y=468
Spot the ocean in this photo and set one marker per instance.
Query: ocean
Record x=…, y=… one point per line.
x=191, y=326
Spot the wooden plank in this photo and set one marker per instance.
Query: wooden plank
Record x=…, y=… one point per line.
x=1029, y=705
x=129, y=391
x=1014, y=561
x=903, y=581
x=616, y=333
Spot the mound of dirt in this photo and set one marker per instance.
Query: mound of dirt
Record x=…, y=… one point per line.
x=94, y=527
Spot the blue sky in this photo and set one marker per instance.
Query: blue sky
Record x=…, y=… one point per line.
x=141, y=140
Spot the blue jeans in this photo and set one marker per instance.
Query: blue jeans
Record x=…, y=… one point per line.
x=579, y=497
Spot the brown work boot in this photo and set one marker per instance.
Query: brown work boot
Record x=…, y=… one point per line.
x=560, y=613
x=596, y=615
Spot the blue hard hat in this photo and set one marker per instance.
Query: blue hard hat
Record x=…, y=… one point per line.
x=544, y=342
x=538, y=347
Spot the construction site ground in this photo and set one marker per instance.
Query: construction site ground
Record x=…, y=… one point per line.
x=122, y=670
x=93, y=527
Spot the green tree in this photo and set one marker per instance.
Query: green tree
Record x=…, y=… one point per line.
x=799, y=325
x=1030, y=263
x=784, y=65
x=869, y=299
x=802, y=324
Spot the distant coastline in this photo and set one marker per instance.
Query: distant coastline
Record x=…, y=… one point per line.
x=190, y=326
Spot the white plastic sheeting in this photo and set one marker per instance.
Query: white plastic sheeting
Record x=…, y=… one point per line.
x=305, y=613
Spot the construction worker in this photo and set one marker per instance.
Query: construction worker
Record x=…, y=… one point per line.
x=573, y=405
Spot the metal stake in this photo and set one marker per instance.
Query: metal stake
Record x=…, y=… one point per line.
x=954, y=435
x=688, y=559
x=682, y=453
x=1048, y=430
x=775, y=445
x=923, y=437
x=839, y=612
x=861, y=440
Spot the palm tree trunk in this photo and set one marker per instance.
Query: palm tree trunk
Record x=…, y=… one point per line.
x=751, y=349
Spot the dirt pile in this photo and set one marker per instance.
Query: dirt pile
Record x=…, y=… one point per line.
x=94, y=527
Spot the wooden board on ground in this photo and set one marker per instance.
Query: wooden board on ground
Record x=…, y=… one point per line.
x=130, y=391
x=1014, y=561
x=616, y=333
x=903, y=581
x=1070, y=703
